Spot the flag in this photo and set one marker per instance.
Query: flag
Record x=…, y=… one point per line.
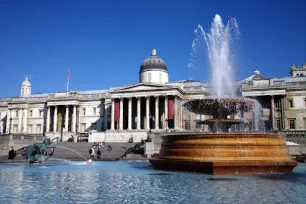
x=117, y=110
x=170, y=109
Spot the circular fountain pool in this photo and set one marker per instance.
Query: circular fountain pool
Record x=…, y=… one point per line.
x=138, y=182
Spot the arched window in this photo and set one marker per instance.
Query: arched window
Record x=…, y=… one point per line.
x=149, y=77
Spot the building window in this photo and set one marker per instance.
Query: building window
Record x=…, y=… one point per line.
x=16, y=113
x=290, y=103
x=30, y=128
x=31, y=113
x=149, y=77
x=304, y=123
x=292, y=123
x=84, y=111
x=278, y=124
x=160, y=77
x=15, y=128
x=38, y=128
x=94, y=111
x=187, y=125
x=83, y=127
x=305, y=103
x=41, y=113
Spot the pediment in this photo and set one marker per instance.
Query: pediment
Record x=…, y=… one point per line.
x=141, y=87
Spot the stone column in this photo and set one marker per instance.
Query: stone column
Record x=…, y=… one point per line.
x=166, y=113
x=138, y=112
x=25, y=121
x=272, y=112
x=66, y=118
x=8, y=121
x=55, y=119
x=148, y=111
x=121, y=114
x=175, y=113
x=157, y=112
x=105, y=116
x=74, y=119
x=113, y=115
x=130, y=114
x=48, y=120
x=284, y=112
x=20, y=120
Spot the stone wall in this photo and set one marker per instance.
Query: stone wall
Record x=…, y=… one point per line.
x=117, y=136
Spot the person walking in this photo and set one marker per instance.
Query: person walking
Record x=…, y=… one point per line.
x=92, y=153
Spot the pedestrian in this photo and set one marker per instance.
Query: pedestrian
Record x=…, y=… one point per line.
x=109, y=148
x=11, y=153
x=99, y=154
x=92, y=153
x=52, y=152
x=23, y=152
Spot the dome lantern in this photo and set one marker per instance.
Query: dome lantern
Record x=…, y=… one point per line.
x=25, y=88
x=153, y=69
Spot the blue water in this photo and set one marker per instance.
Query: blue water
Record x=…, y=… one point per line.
x=137, y=182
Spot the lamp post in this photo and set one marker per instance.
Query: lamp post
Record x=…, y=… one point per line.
x=10, y=128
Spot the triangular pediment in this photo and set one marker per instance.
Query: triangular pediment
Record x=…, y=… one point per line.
x=141, y=87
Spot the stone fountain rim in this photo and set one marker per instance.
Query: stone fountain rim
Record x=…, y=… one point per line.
x=205, y=134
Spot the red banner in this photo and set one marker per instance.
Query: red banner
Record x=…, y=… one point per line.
x=117, y=110
x=170, y=109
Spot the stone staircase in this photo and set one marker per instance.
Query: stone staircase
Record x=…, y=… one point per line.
x=118, y=149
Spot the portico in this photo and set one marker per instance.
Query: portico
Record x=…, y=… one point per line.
x=150, y=107
x=61, y=117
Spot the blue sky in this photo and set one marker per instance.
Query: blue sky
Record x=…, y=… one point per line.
x=104, y=42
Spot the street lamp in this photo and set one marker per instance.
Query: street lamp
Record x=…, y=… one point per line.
x=10, y=125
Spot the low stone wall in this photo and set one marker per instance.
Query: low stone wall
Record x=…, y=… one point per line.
x=117, y=136
x=17, y=141
x=298, y=137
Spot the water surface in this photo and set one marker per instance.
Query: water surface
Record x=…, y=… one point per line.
x=137, y=182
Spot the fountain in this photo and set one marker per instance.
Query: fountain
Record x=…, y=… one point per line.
x=223, y=152
x=36, y=153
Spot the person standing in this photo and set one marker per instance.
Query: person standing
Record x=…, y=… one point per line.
x=92, y=153
x=11, y=153
x=99, y=154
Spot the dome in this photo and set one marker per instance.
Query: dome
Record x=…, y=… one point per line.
x=153, y=63
x=26, y=82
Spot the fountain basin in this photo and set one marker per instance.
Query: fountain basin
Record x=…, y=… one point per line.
x=224, y=153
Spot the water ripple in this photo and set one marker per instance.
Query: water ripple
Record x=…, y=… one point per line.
x=136, y=182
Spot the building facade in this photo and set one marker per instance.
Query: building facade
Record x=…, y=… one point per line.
x=154, y=104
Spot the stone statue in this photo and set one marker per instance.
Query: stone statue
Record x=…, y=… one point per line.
x=36, y=153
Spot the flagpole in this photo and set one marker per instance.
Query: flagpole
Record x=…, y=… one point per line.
x=68, y=79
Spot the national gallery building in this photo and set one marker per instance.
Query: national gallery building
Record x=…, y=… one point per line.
x=154, y=104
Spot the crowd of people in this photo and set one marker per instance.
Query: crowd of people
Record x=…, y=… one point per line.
x=99, y=146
